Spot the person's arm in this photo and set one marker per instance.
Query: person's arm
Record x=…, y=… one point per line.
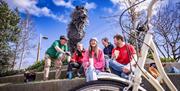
x=66, y=48
x=59, y=49
x=111, y=48
x=56, y=46
x=101, y=58
x=130, y=66
x=86, y=60
x=133, y=60
x=68, y=53
x=74, y=57
x=104, y=50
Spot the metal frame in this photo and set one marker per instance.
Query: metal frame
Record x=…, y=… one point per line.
x=163, y=76
x=144, y=50
x=135, y=79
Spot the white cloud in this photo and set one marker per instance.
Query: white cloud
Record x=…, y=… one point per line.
x=90, y=5
x=63, y=3
x=32, y=8
x=123, y=4
x=69, y=4
x=108, y=10
x=115, y=1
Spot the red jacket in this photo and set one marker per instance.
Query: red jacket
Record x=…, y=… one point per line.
x=99, y=63
x=123, y=57
x=76, y=58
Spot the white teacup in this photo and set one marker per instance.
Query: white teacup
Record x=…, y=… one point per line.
x=116, y=53
x=91, y=61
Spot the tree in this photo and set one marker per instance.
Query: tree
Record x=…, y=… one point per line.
x=23, y=47
x=9, y=32
x=167, y=33
x=133, y=17
x=131, y=20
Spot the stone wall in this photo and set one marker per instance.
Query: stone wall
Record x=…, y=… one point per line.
x=66, y=85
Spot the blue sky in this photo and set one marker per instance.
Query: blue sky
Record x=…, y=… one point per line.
x=51, y=18
x=54, y=28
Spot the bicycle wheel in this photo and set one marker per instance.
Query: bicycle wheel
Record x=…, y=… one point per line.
x=101, y=85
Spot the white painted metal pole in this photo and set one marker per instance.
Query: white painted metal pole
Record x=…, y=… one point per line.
x=141, y=61
x=161, y=69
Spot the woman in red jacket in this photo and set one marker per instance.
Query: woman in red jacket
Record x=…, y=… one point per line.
x=76, y=61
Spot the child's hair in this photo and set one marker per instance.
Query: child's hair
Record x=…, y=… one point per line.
x=105, y=39
x=95, y=50
x=118, y=37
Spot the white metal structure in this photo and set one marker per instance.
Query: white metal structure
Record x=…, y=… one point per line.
x=136, y=78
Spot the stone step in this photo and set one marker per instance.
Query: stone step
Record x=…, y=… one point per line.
x=66, y=85
x=50, y=85
x=39, y=76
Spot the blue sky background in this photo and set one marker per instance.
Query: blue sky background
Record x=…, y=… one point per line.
x=51, y=18
x=97, y=27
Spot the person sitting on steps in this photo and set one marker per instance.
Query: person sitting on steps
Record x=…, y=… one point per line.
x=76, y=61
x=108, y=47
x=58, y=52
x=93, y=61
x=123, y=56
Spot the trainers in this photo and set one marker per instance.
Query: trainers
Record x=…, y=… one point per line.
x=45, y=78
x=108, y=70
x=69, y=75
x=78, y=74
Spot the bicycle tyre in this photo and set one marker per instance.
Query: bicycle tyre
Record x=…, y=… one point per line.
x=101, y=85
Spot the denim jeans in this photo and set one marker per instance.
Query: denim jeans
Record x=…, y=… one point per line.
x=117, y=69
x=173, y=70
x=91, y=74
x=77, y=65
x=107, y=62
x=72, y=65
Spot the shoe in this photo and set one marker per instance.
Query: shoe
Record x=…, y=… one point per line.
x=45, y=78
x=108, y=70
x=69, y=75
x=78, y=74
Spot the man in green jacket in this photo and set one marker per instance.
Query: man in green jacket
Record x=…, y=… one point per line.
x=58, y=52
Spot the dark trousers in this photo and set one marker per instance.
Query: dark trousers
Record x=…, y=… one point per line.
x=77, y=65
